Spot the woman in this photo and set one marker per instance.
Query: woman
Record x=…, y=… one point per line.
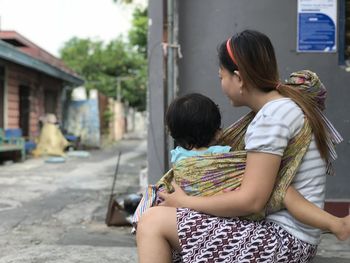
x=206, y=229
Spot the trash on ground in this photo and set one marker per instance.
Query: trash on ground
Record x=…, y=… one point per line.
x=80, y=154
x=56, y=159
x=131, y=202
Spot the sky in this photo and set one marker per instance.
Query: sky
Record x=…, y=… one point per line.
x=51, y=23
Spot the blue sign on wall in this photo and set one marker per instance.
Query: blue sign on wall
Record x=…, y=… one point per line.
x=316, y=26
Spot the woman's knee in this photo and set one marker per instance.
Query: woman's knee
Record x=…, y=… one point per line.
x=147, y=220
x=155, y=218
x=159, y=222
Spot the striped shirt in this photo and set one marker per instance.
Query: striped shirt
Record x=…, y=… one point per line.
x=271, y=129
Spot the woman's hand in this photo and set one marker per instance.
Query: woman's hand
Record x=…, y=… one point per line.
x=175, y=199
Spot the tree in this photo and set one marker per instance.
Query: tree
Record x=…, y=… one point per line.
x=138, y=33
x=100, y=64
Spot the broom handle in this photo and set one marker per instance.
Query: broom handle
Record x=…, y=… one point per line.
x=115, y=176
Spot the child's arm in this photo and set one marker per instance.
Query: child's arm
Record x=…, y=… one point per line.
x=310, y=214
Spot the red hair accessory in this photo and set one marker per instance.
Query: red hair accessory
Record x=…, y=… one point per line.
x=229, y=50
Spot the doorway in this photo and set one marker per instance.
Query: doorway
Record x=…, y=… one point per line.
x=2, y=96
x=24, y=109
x=50, y=101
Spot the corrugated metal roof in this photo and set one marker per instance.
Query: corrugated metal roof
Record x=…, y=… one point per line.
x=10, y=53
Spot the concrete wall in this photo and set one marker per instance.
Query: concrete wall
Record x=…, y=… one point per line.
x=118, y=125
x=83, y=117
x=156, y=154
x=136, y=121
x=204, y=24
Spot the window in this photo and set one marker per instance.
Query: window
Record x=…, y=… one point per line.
x=344, y=33
x=347, y=30
x=50, y=101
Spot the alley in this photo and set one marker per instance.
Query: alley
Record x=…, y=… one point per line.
x=55, y=212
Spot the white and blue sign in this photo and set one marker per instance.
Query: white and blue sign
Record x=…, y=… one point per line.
x=317, y=26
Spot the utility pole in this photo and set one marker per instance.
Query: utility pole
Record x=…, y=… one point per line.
x=119, y=86
x=172, y=70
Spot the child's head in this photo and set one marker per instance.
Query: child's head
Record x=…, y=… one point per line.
x=193, y=120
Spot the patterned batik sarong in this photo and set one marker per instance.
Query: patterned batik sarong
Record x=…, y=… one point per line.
x=204, y=238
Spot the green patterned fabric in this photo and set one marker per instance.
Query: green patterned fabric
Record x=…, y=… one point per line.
x=211, y=174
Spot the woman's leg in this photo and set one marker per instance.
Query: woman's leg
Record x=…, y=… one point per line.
x=157, y=234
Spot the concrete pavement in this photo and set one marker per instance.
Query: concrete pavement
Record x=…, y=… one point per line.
x=332, y=250
x=54, y=213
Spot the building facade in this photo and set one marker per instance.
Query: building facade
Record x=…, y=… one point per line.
x=32, y=84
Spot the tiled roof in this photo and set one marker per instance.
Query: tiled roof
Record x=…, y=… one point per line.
x=25, y=46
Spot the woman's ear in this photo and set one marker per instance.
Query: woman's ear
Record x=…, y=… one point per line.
x=238, y=74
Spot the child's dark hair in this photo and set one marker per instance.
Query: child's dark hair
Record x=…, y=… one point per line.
x=193, y=121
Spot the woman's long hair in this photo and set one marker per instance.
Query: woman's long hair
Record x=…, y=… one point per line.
x=252, y=54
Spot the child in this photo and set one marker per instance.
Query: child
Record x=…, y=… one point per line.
x=194, y=121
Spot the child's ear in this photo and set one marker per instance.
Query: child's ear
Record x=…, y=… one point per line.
x=218, y=134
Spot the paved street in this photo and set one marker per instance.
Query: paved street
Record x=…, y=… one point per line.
x=54, y=212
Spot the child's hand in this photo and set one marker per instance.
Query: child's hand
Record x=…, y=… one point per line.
x=174, y=199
